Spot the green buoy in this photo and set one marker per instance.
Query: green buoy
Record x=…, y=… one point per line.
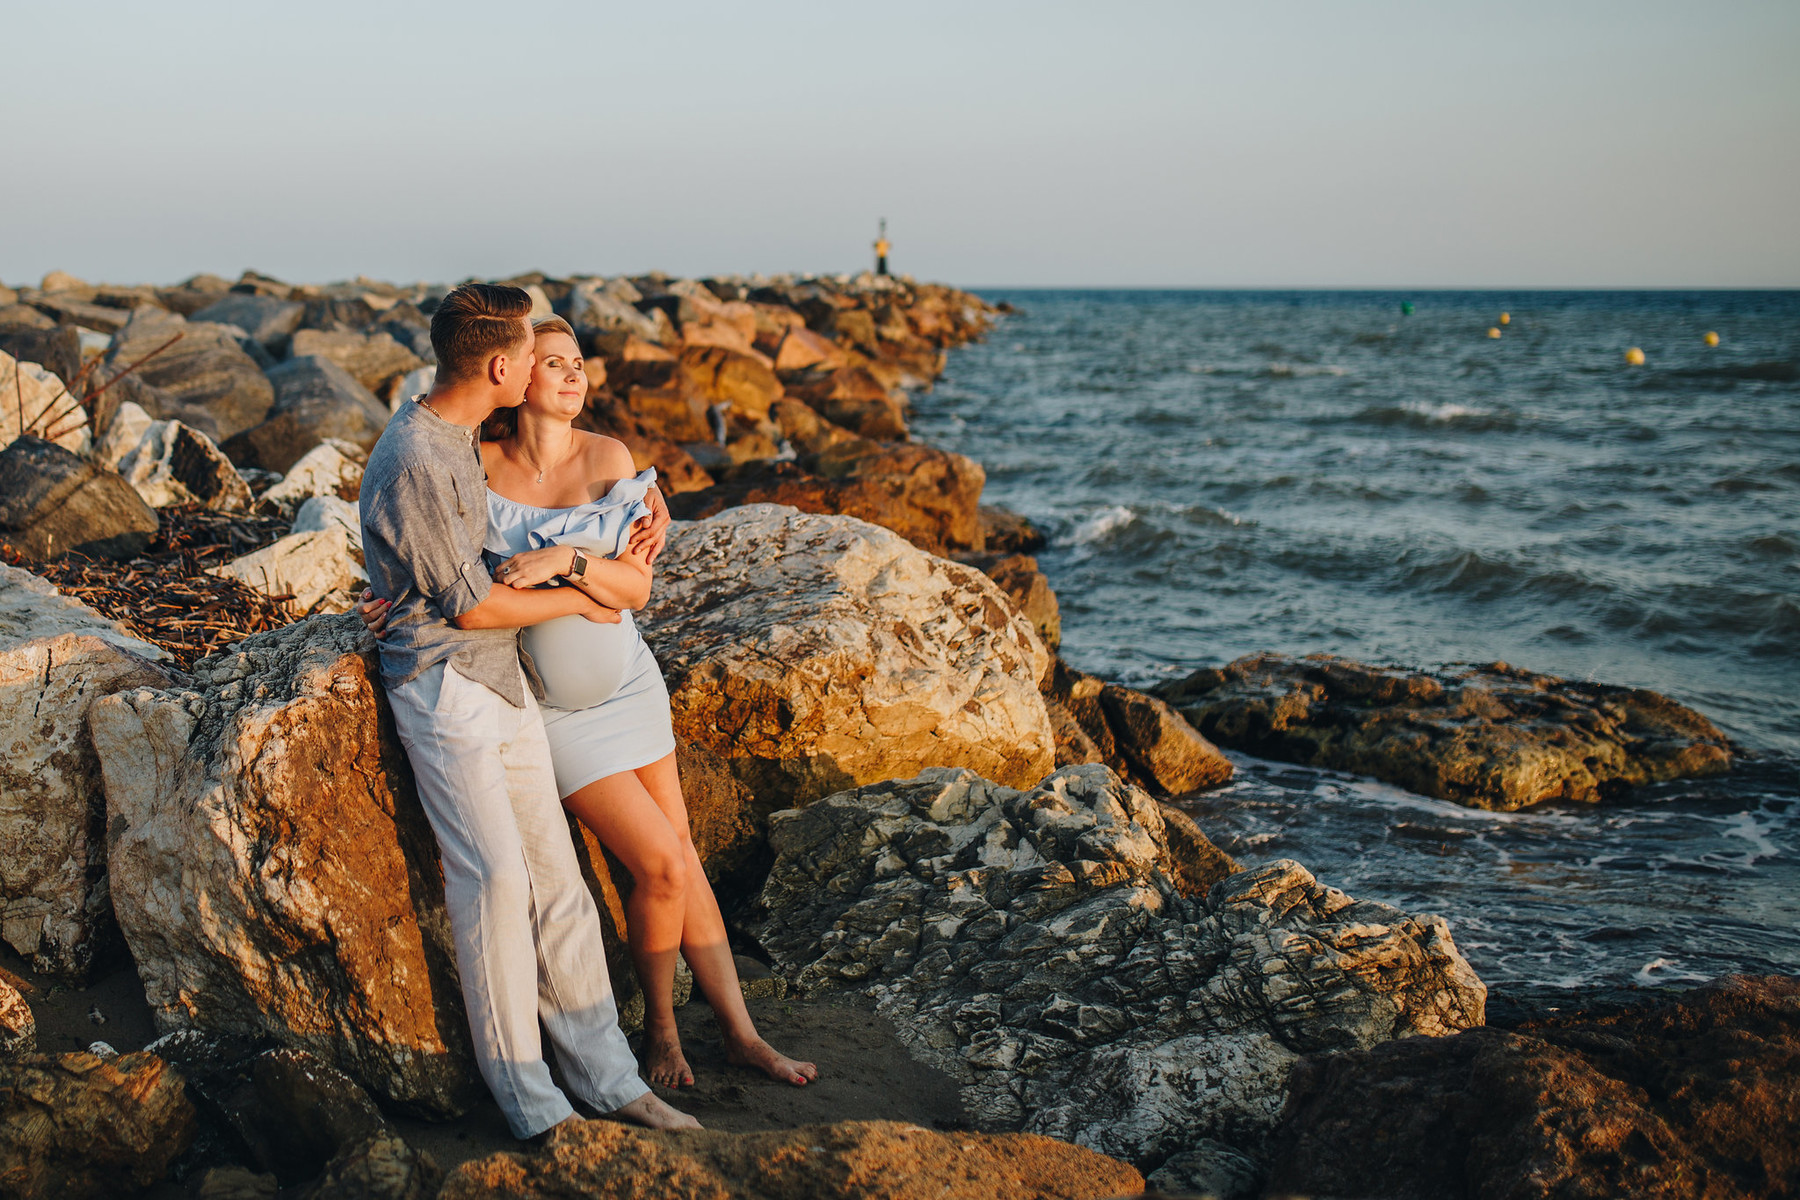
x=1406, y=308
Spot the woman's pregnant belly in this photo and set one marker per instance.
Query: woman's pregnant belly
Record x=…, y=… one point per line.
x=582, y=664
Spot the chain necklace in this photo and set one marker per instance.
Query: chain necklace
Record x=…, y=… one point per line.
x=426, y=401
x=559, y=461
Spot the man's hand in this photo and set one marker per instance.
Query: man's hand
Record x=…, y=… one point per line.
x=374, y=613
x=599, y=614
x=650, y=534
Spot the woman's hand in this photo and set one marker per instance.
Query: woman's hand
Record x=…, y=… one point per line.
x=374, y=613
x=599, y=614
x=650, y=534
x=532, y=567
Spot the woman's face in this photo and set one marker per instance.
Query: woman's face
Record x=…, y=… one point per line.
x=558, y=385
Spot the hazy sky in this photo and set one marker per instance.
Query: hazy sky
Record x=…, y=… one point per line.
x=1165, y=144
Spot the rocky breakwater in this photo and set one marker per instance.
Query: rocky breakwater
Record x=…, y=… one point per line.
x=1037, y=944
x=1493, y=737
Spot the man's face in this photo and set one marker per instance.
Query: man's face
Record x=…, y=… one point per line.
x=519, y=361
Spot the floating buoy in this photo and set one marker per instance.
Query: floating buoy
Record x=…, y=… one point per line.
x=1711, y=339
x=1506, y=318
x=1406, y=308
x=1634, y=357
x=1494, y=332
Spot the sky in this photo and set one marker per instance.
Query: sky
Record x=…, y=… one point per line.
x=1286, y=143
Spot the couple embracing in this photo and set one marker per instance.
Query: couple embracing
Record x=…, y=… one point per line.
x=547, y=529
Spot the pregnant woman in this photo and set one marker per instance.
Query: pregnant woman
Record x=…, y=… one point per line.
x=561, y=504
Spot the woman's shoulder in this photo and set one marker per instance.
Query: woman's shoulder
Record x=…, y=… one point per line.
x=605, y=457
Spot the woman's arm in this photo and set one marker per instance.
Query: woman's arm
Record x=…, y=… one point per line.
x=622, y=582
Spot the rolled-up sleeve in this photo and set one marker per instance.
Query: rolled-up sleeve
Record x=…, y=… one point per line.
x=418, y=520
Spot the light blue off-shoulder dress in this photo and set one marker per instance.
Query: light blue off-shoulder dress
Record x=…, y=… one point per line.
x=606, y=708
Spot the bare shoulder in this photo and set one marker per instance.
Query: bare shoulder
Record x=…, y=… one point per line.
x=606, y=457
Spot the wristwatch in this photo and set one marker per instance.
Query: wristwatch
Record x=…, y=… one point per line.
x=579, y=567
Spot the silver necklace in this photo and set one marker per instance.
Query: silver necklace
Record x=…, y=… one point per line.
x=541, y=470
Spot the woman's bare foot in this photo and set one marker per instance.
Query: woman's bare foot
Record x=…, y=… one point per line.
x=664, y=1062
x=765, y=1058
x=652, y=1113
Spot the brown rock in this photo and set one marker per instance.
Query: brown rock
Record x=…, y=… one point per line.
x=720, y=376
x=1006, y=532
x=1692, y=1097
x=857, y=1160
x=272, y=871
x=773, y=323
x=854, y=398
x=805, y=429
x=18, y=1027
x=382, y=1167
x=801, y=349
x=315, y=400
x=1195, y=864
x=74, y=1126
x=1027, y=587
x=1493, y=737
x=675, y=412
x=676, y=470
x=1159, y=745
x=204, y=379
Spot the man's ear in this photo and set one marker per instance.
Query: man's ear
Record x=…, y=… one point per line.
x=496, y=369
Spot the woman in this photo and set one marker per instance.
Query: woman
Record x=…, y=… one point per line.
x=561, y=503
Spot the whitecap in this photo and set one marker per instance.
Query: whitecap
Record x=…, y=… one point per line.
x=1098, y=526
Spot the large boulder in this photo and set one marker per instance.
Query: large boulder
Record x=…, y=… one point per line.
x=854, y=1160
x=1035, y=946
x=1493, y=737
x=203, y=379
x=1137, y=735
x=719, y=375
x=77, y=1127
x=266, y=320
x=852, y=397
x=272, y=871
x=57, y=656
x=49, y=410
x=332, y=468
x=1026, y=586
x=58, y=350
x=53, y=501
x=1691, y=1096
x=927, y=496
x=175, y=464
x=815, y=653
x=318, y=568
x=374, y=360
x=315, y=399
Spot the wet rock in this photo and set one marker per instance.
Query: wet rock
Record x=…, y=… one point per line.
x=204, y=379
x=1034, y=945
x=1692, y=1096
x=382, y=1167
x=1493, y=737
x=858, y=1160
x=332, y=468
x=53, y=501
x=18, y=1027
x=268, y=321
x=272, y=871
x=815, y=653
x=924, y=494
x=373, y=360
x=1027, y=587
x=73, y=1126
x=1006, y=532
x=57, y=656
x=173, y=464
x=49, y=408
x=315, y=399
x=1137, y=735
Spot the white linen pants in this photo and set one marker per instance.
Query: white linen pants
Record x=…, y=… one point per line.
x=527, y=934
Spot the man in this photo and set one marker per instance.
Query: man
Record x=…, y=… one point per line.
x=528, y=942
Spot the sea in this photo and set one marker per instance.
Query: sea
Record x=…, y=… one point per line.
x=1430, y=477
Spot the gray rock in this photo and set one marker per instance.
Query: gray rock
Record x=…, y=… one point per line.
x=1209, y=1168
x=315, y=399
x=1035, y=946
x=174, y=464
x=266, y=320
x=204, y=380
x=53, y=501
x=374, y=360
x=57, y=349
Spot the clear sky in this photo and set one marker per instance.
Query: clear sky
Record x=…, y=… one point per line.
x=1272, y=143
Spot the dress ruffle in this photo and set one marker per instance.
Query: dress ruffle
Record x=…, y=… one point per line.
x=599, y=527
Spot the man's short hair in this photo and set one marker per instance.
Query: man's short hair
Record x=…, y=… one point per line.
x=475, y=322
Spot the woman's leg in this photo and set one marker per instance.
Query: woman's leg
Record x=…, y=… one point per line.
x=630, y=823
x=705, y=945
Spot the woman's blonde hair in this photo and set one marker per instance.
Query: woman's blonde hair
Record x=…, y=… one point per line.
x=504, y=422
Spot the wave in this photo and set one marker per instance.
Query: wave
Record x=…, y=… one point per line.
x=1270, y=370
x=1779, y=370
x=1098, y=527
x=1437, y=416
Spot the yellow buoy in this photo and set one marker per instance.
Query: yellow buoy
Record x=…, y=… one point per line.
x=1493, y=333
x=1712, y=339
x=1506, y=318
x=1634, y=357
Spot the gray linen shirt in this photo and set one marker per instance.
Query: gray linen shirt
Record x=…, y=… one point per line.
x=424, y=519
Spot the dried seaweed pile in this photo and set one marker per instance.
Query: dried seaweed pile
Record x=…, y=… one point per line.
x=165, y=596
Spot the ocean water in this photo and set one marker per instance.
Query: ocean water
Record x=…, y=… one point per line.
x=1227, y=472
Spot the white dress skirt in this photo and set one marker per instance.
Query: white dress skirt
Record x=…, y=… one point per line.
x=606, y=708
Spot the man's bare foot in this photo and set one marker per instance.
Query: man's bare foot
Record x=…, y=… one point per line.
x=664, y=1062
x=652, y=1113
x=764, y=1057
